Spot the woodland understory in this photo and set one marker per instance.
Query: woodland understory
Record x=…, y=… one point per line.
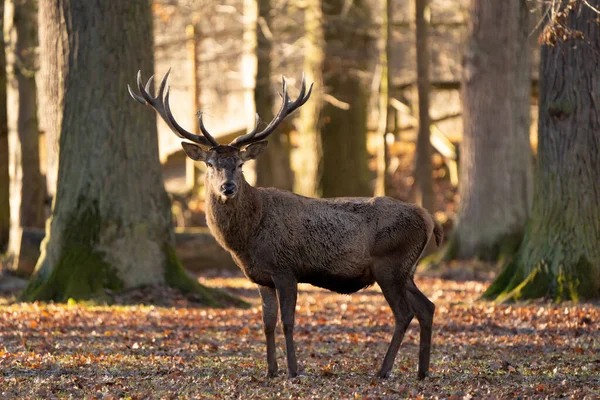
x=177, y=348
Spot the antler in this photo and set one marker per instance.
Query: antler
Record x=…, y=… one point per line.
x=160, y=103
x=287, y=107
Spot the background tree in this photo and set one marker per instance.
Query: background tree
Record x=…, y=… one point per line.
x=4, y=176
x=343, y=120
x=27, y=188
x=111, y=221
x=273, y=167
x=310, y=152
x=495, y=161
x=422, y=189
x=386, y=113
x=559, y=256
x=50, y=83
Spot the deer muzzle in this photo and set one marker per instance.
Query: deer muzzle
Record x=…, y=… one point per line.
x=228, y=189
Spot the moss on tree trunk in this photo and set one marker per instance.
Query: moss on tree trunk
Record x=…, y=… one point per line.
x=559, y=257
x=111, y=219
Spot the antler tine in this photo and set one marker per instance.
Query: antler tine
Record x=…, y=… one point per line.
x=207, y=135
x=160, y=104
x=287, y=107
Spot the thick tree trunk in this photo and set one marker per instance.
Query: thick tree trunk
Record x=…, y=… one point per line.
x=27, y=189
x=495, y=162
x=4, y=176
x=273, y=167
x=344, y=129
x=309, y=153
x=559, y=256
x=111, y=221
x=422, y=190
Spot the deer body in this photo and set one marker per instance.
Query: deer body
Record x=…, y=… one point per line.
x=329, y=243
x=280, y=239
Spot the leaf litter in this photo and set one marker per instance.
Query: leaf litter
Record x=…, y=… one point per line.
x=178, y=349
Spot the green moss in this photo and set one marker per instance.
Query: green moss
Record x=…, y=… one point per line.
x=536, y=285
x=577, y=285
x=80, y=272
x=176, y=276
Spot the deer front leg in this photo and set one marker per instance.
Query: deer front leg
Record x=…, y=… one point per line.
x=287, y=289
x=269, y=310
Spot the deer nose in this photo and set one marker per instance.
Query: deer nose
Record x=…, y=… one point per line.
x=228, y=188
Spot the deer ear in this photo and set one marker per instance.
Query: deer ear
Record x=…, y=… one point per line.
x=253, y=151
x=194, y=152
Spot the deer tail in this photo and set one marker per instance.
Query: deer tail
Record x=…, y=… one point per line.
x=438, y=231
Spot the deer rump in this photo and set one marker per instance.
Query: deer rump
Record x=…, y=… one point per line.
x=333, y=243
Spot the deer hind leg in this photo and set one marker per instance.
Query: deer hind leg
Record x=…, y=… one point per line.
x=269, y=311
x=424, y=309
x=396, y=296
x=287, y=289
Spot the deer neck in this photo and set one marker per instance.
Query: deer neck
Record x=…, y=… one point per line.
x=233, y=221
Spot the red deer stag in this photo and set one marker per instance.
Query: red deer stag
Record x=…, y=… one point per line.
x=280, y=239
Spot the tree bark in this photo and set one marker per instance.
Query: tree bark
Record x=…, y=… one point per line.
x=386, y=112
x=559, y=257
x=344, y=129
x=26, y=183
x=273, y=167
x=4, y=176
x=53, y=42
x=495, y=162
x=422, y=190
x=309, y=153
x=111, y=222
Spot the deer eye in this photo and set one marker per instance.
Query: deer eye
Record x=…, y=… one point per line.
x=209, y=164
x=240, y=165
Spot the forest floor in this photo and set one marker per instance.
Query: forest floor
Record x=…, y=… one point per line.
x=176, y=349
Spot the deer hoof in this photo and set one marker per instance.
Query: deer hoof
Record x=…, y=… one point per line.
x=383, y=374
x=271, y=374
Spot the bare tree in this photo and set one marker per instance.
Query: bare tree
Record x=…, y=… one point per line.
x=559, y=257
x=309, y=154
x=27, y=187
x=344, y=120
x=273, y=169
x=422, y=190
x=4, y=176
x=386, y=113
x=111, y=221
x=495, y=162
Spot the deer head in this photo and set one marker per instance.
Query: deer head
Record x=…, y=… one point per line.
x=224, y=162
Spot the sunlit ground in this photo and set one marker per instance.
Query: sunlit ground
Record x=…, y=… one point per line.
x=130, y=351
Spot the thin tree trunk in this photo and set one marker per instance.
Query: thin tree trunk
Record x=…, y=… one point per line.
x=273, y=168
x=26, y=183
x=344, y=128
x=559, y=257
x=53, y=42
x=495, y=162
x=111, y=221
x=422, y=190
x=385, y=110
x=309, y=153
x=4, y=176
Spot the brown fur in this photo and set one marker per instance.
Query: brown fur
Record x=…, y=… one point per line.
x=280, y=239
